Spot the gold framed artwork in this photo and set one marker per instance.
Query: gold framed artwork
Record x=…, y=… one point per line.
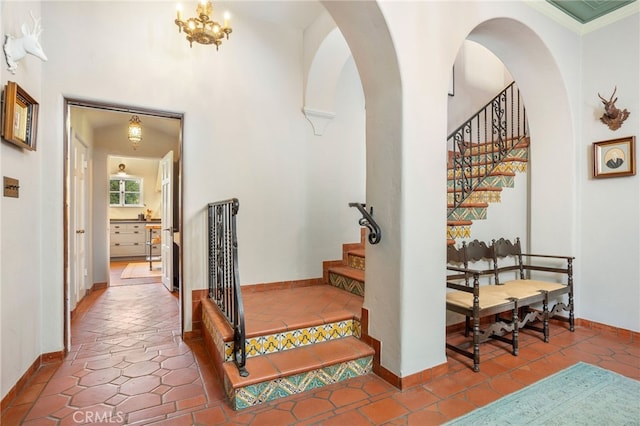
x=614, y=158
x=19, y=117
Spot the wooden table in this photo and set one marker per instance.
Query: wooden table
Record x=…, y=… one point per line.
x=151, y=227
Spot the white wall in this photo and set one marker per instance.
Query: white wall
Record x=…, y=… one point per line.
x=244, y=133
x=244, y=136
x=22, y=246
x=336, y=175
x=478, y=76
x=147, y=169
x=609, y=263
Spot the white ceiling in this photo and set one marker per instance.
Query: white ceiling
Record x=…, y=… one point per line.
x=298, y=13
x=100, y=118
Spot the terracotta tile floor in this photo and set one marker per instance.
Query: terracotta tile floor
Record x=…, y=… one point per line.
x=116, y=268
x=128, y=365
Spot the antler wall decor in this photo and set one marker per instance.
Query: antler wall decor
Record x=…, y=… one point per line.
x=612, y=116
x=16, y=48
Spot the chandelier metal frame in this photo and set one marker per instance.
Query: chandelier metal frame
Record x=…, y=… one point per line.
x=202, y=29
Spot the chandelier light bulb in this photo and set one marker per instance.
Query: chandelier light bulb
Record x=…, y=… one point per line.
x=203, y=28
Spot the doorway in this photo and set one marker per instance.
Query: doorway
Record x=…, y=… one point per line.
x=102, y=130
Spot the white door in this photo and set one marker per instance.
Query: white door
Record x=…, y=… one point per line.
x=167, y=220
x=78, y=225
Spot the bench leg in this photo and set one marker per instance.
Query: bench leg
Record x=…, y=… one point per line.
x=476, y=343
x=545, y=317
x=467, y=326
x=572, y=326
x=515, y=325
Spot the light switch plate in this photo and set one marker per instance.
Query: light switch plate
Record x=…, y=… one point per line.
x=11, y=187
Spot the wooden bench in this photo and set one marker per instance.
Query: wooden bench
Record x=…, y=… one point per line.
x=500, y=294
x=467, y=297
x=541, y=288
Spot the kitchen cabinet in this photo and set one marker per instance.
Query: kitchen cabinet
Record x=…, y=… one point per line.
x=129, y=239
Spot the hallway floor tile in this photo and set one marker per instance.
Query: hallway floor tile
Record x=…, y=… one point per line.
x=129, y=365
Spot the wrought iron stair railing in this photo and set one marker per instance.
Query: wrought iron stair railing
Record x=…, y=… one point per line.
x=482, y=142
x=224, y=277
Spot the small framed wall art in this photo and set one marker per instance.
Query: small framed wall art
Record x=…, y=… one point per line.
x=19, y=117
x=614, y=158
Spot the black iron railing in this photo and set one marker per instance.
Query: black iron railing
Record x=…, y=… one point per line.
x=375, y=234
x=480, y=144
x=224, y=278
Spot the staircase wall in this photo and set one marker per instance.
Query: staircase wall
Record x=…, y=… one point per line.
x=507, y=218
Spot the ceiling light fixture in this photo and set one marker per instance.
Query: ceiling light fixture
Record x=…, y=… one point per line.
x=135, y=131
x=202, y=29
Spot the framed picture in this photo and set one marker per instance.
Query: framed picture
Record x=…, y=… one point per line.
x=19, y=117
x=613, y=158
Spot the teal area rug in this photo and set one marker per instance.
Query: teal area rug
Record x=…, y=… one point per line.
x=579, y=395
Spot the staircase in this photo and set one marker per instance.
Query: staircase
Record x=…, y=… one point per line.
x=485, y=154
x=292, y=337
x=299, y=336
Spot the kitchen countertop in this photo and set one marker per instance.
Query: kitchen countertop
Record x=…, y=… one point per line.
x=135, y=220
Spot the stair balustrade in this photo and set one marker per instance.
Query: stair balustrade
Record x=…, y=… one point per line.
x=224, y=278
x=375, y=234
x=481, y=143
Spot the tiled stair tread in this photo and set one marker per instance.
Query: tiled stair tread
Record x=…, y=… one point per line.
x=281, y=310
x=512, y=143
x=255, y=328
x=483, y=162
x=355, y=274
x=493, y=173
x=306, y=358
x=289, y=309
x=469, y=205
x=478, y=189
x=520, y=141
x=358, y=252
x=459, y=222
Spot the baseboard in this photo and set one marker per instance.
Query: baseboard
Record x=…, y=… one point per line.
x=192, y=335
x=279, y=285
x=633, y=336
x=387, y=375
x=99, y=286
x=47, y=358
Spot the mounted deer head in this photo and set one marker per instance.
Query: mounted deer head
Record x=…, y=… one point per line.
x=17, y=48
x=612, y=116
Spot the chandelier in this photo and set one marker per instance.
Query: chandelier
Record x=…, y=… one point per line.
x=135, y=131
x=202, y=29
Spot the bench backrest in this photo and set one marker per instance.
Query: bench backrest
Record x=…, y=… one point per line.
x=502, y=249
x=471, y=252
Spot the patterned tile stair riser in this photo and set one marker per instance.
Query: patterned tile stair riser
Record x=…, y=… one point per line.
x=302, y=337
x=469, y=213
x=346, y=283
x=259, y=393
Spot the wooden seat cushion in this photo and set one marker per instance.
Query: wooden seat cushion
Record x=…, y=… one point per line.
x=528, y=288
x=490, y=296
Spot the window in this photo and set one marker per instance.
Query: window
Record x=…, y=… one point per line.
x=125, y=192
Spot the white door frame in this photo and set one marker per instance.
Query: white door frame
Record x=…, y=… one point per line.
x=68, y=103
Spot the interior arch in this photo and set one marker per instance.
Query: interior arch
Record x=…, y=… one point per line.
x=322, y=80
x=551, y=127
